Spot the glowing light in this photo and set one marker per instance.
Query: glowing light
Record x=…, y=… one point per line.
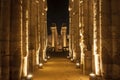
x=37, y=1
x=92, y=75
x=25, y=66
x=41, y=64
x=81, y=2
x=43, y=14
x=72, y=0
x=37, y=55
x=48, y=57
x=77, y=64
x=72, y=59
x=97, y=71
x=46, y=9
x=29, y=76
x=69, y=9
x=45, y=60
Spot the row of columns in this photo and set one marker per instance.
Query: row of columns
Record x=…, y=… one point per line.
x=96, y=27
x=56, y=40
x=23, y=37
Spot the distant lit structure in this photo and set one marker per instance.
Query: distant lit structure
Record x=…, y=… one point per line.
x=64, y=36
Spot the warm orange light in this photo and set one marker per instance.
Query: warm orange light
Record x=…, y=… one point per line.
x=69, y=9
x=25, y=66
x=37, y=56
x=74, y=55
x=27, y=45
x=95, y=41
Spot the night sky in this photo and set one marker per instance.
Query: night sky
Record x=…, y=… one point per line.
x=57, y=13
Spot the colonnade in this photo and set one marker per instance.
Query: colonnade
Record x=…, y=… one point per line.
x=96, y=25
x=23, y=37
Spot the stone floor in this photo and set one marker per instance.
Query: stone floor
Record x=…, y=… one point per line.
x=59, y=69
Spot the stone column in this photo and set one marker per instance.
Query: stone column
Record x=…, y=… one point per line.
x=63, y=33
x=35, y=30
x=115, y=8
x=96, y=37
x=76, y=28
x=4, y=39
x=53, y=36
x=70, y=27
x=16, y=40
x=106, y=38
x=42, y=31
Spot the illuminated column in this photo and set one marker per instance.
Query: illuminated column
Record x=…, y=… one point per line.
x=81, y=33
x=4, y=39
x=72, y=29
x=34, y=31
x=42, y=31
x=97, y=36
x=53, y=36
x=25, y=38
x=16, y=40
x=44, y=14
x=63, y=33
x=76, y=30
x=70, y=24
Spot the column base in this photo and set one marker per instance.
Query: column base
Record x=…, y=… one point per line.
x=92, y=76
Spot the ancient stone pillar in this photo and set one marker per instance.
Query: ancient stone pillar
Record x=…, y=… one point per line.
x=25, y=38
x=115, y=8
x=53, y=36
x=34, y=31
x=4, y=39
x=106, y=36
x=44, y=27
x=42, y=30
x=63, y=33
x=76, y=28
x=70, y=27
x=16, y=40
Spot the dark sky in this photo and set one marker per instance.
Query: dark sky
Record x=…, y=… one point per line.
x=57, y=13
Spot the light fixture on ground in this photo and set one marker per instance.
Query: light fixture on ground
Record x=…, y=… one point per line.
x=77, y=64
x=48, y=57
x=29, y=77
x=45, y=60
x=92, y=76
x=40, y=65
x=72, y=59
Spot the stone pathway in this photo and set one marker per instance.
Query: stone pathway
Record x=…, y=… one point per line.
x=59, y=69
